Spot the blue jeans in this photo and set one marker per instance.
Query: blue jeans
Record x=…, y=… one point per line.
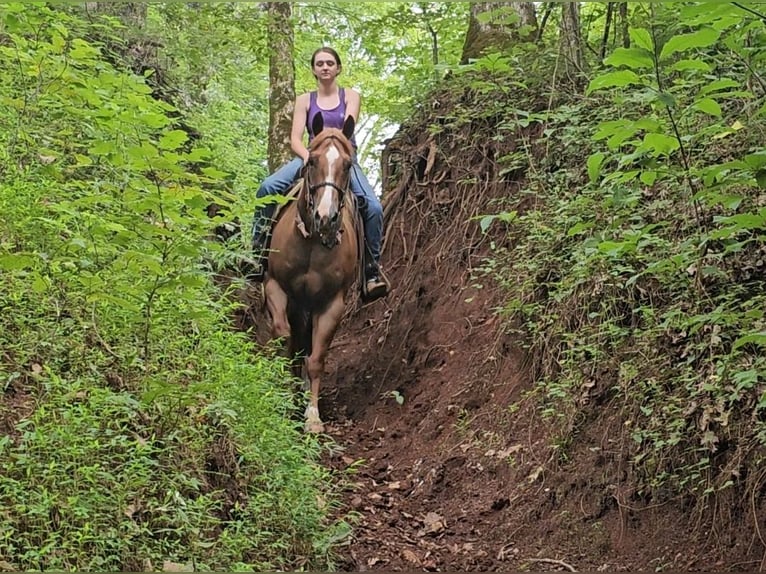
x=280, y=182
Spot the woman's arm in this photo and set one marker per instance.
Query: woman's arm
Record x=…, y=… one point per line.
x=353, y=103
x=299, y=125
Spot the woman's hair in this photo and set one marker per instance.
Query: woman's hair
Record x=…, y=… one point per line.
x=327, y=50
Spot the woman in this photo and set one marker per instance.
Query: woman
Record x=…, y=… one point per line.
x=336, y=104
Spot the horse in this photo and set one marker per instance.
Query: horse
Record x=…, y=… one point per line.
x=313, y=259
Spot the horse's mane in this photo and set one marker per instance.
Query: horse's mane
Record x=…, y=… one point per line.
x=328, y=134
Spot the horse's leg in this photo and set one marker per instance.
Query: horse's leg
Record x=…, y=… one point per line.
x=325, y=325
x=276, y=303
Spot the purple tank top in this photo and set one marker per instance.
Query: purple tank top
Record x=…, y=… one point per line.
x=333, y=118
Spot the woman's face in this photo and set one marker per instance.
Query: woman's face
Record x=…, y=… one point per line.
x=325, y=66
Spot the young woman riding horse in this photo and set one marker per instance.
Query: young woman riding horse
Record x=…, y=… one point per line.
x=335, y=104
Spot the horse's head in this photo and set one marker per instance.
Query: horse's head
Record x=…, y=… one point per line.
x=326, y=179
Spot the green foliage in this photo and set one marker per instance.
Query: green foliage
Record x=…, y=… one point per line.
x=142, y=429
x=637, y=279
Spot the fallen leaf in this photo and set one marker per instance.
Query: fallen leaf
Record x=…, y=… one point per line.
x=511, y=450
x=434, y=523
x=535, y=474
x=410, y=556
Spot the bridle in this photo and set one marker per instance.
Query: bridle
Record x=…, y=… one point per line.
x=313, y=188
x=333, y=238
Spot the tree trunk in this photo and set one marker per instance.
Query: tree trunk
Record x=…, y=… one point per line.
x=624, y=24
x=607, y=30
x=281, y=82
x=571, y=46
x=489, y=29
x=528, y=16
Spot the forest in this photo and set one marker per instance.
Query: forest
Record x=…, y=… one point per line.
x=567, y=374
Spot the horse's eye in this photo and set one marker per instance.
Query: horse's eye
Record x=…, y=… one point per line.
x=312, y=162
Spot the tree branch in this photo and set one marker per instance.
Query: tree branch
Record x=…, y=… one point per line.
x=748, y=9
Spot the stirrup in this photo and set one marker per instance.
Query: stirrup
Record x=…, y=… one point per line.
x=376, y=288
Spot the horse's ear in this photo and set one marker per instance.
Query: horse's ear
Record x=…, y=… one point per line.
x=348, y=126
x=317, y=123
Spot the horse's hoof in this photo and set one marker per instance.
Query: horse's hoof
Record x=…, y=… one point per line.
x=314, y=427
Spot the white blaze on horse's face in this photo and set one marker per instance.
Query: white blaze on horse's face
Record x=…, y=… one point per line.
x=325, y=209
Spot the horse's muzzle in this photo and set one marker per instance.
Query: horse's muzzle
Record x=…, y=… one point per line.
x=327, y=228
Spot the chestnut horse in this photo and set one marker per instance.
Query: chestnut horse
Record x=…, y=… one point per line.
x=313, y=259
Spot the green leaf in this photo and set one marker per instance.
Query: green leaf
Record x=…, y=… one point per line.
x=81, y=50
x=615, y=248
x=82, y=160
x=39, y=283
x=699, y=39
x=173, y=139
x=613, y=80
x=578, y=228
x=213, y=173
x=636, y=58
x=608, y=129
x=594, y=165
x=760, y=177
x=486, y=220
x=119, y=301
x=659, y=144
x=686, y=65
x=718, y=85
x=648, y=177
x=102, y=148
x=16, y=262
x=154, y=120
x=756, y=160
x=192, y=280
x=754, y=338
x=709, y=106
x=642, y=38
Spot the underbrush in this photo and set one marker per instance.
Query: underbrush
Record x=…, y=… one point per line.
x=112, y=466
x=141, y=431
x=631, y=248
